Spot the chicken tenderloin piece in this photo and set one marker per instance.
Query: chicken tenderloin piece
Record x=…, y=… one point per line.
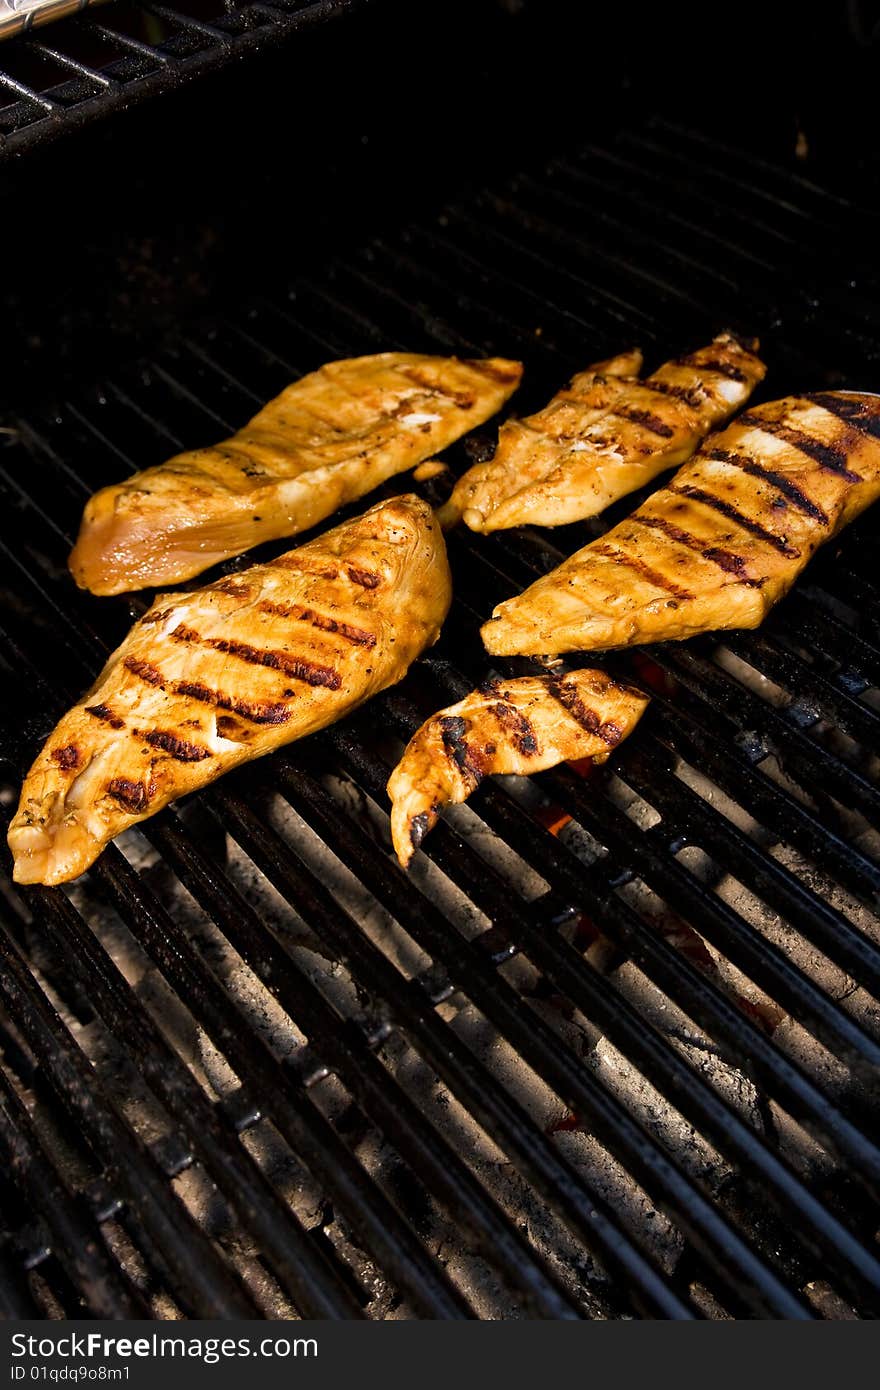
x=720, y=544
x=325, y=441
x=210, y=679
x=607, y=434
x=527, y=446
x=523, y=725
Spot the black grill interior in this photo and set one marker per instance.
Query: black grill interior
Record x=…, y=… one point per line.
x=54, y=80
x=612, y=1048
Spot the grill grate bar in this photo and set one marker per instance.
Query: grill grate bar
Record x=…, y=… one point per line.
x=179, y=19
x=799, y=1093
x=308, y=1133
x=301, y=1267
x=443, y=250
x=546, y=196
x=775, y=297
x=437, y=328
x=347, y=1050
x=586, y=285
x=130, y=41
x=650, y=772
x=76, y=1236
x=542, y=231
x=852, y=588
x=201, y=1283
x=65, y=60
x=719, y=924
x=816, y=769
x=472, y=304
x=791, y=671
x=750, y=212
x=164, y=375
x=37, y=442
x=685, y=986
x=29, y=94
x=580, y=176
x=837, y=334
x=753, y=161
x=523, y=238
x=814, y=620
x=787, y=818
x=724, y=174
x=633, y=173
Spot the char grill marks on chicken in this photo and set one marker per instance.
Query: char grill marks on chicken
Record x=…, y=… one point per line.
x=718, y=546
x=209, y=679
x=606, y=434
x=325, y=441
x=522, y=725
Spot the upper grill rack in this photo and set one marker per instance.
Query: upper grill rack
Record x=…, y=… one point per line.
x=540, y=1022
x=59, y=78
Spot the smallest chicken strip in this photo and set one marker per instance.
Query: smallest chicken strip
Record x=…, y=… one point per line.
x=524, y=725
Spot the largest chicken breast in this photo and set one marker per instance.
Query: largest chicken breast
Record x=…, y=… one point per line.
x=328, y=439
x=210, y=679
x=720, y=544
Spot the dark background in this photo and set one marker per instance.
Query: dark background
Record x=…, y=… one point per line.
x=116, y=233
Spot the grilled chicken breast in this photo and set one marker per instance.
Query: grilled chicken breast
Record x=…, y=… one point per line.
x=325, y=441
x=210, y=679
x=718, y=546
x=604, y=436
x=522, y=726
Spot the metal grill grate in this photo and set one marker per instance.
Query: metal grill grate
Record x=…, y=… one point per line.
x=622, y=1062
x=58, y=79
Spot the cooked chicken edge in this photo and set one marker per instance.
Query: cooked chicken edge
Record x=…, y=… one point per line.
x=506, y=726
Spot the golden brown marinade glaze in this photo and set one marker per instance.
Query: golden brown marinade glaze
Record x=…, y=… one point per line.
x=522, y=725
x=606, y=434
x=212, y=678
x=325, y=441
x=720, y=544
